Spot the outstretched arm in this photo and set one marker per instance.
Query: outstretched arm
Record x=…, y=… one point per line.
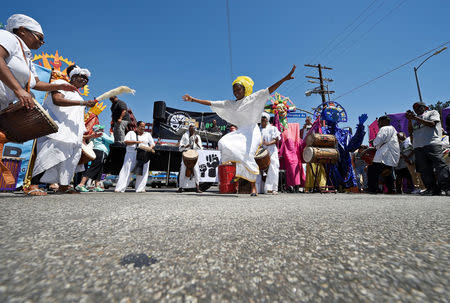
x=192, y=99
x=48, y=87
x=285, y=78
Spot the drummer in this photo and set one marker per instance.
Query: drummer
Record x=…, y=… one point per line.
x=189, y=140
x=17, y=73
x=58, y=154
x=270, y=137
x=132, y=140
x=240, y=146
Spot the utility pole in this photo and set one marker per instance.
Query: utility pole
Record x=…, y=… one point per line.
x=322, y=91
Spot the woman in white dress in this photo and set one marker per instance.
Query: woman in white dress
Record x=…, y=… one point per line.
x=17, y=73
x=58, y=154
x=244, y=112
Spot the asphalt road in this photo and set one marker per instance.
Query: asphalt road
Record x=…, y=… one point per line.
x=216, y=248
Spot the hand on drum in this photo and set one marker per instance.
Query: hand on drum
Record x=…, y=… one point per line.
x=91, y=103
x=25, y=99
x=67, y=87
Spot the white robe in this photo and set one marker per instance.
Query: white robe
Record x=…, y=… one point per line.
x=269, y=133
x=241, y=146
x=192, y=182
x=58, y=154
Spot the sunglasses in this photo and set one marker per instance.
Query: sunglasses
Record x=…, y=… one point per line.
x=37, y=35
x=81, y=78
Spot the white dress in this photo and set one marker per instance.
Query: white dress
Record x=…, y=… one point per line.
x=58, y=154
x=270, y=133
x=241, y=146
x=192, y=182
x=130, y=161
x=19, y=66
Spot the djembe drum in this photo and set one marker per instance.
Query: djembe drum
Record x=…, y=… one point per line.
x=190, y=158
x=321, y=140
x=368, y=154
x=19, y=124
x=262, y=158
x=87, y=153
x=320, y=155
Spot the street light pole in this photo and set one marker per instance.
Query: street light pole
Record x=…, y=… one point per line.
x=417, y=82
x=416, y=68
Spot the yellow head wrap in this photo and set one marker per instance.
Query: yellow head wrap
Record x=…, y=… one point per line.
x=247, y=82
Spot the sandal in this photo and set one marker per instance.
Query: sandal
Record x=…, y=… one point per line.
x=34, y=190
x=66, y=190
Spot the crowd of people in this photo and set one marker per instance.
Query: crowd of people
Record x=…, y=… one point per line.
x=394, y=162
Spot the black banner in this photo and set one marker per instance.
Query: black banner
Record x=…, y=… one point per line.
x=176, y=122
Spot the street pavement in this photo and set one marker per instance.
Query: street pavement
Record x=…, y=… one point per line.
x=224, y=248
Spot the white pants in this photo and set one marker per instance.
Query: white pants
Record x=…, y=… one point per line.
x=124, y=176
x=186, y=182
x=271, y=183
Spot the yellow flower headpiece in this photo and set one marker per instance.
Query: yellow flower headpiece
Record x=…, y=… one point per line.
x=247, y=82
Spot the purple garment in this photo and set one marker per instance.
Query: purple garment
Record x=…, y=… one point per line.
x=445, y=113
x=400, y=123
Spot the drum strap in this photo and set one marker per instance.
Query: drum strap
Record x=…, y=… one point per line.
x=26, y=61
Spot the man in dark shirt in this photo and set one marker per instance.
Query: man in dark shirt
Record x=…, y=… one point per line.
x=120, y=118
x=214, y=129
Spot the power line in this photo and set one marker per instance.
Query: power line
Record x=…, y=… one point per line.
x=400, y=2
x=336, y=46
x=229, y=40
x=296, y=84
x=392, y=70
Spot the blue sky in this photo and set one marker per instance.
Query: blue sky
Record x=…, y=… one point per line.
x=165, y=49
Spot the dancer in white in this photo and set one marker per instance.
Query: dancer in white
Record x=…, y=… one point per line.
x=189, y=140
x=58, y=154
x=270, y=137
x=132, y=139
x=244, y=112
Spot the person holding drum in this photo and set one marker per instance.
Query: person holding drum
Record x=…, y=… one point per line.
x=270, y=137
x=58, y=154
x=386, y=157
x=133, y=140
x=101, y=149
x=189, y=143
x=17, y=72
x=244, y=112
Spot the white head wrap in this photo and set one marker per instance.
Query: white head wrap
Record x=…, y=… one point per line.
x=80, y=71
x=265, y=115
x=18, y=20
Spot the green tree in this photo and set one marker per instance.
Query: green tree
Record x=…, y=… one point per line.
x=439, y=106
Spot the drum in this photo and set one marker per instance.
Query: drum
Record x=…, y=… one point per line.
x=321, y=140
x=368, y=154
x=20, y=124
x=190, y=158
x=227, y=171
x=147, y=148
x=87, y=153
x=320, y=155
x=262, y=158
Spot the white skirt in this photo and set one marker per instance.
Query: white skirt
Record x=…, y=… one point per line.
x=240, y=147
